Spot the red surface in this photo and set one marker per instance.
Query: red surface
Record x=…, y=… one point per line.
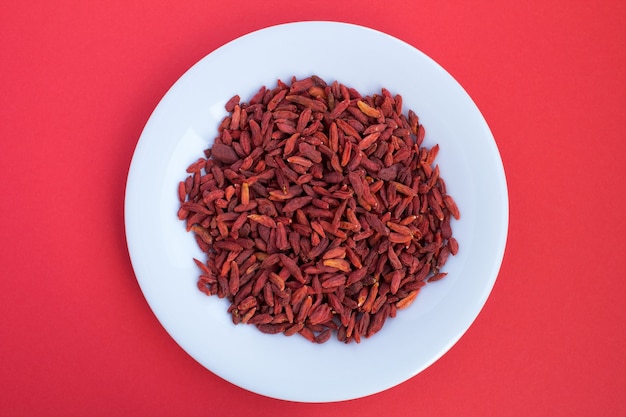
x=79, y=80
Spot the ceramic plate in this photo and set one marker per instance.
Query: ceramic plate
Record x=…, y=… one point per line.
x=185, y=123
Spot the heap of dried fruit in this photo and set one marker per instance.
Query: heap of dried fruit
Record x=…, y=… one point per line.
x=319, y=210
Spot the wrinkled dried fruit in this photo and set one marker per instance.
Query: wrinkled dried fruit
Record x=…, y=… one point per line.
x=319, y=210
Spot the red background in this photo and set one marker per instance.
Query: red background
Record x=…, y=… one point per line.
x=78, y=81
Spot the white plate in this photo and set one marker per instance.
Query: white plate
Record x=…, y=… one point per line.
x=185, y=123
